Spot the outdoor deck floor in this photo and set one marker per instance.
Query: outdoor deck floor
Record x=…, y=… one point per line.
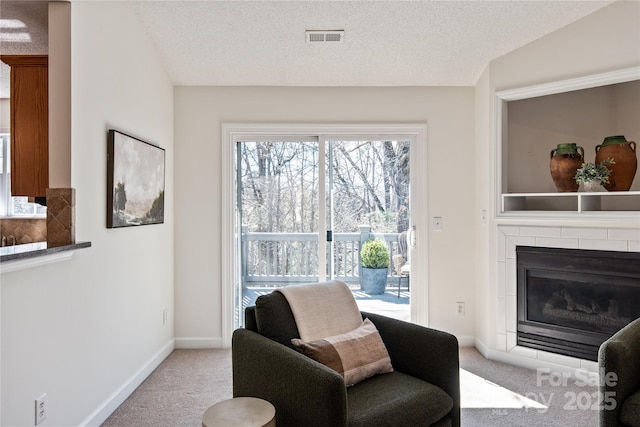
x=388, y=304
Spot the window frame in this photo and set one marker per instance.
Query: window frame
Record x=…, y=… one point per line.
x=7, y=201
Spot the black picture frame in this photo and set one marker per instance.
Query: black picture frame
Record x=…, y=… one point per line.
x=135, y=181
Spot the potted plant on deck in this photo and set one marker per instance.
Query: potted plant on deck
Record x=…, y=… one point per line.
x=592, y=177
x=374, y=266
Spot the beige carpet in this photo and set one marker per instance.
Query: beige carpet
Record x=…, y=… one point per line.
x=493, y=394
x=178, y=392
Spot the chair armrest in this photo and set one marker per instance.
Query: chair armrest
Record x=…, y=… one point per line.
x=424, y=353
x=303, y=391
x=619, y=355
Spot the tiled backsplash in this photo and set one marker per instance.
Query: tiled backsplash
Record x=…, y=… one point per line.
x=57, y=229
x=61, y=216
x=24, y=230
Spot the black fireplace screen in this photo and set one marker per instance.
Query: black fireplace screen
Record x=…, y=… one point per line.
x=570, y=301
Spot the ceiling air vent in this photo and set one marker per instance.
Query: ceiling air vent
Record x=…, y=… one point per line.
x=332, y=36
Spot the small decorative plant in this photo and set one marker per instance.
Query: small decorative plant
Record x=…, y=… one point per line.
x=374, y=254
x=589, y=172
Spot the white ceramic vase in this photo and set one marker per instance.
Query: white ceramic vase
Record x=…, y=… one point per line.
x=592, y=186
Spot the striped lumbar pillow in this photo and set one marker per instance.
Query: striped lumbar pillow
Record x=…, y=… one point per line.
x=356, y=355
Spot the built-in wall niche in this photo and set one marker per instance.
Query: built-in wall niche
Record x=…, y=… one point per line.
x=532, y=121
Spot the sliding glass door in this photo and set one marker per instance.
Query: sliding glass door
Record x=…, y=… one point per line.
x=305, y=205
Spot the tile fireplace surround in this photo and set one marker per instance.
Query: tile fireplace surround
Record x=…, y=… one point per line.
x=510, y=236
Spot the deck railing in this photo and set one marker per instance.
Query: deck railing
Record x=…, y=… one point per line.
x=284, y=258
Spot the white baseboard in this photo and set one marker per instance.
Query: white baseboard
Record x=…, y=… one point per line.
x=197, y=343
x=466, y=341
x=481, y=347
x=103, y=411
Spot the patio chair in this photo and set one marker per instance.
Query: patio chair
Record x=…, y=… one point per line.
x=422, y=390
x=401, y=261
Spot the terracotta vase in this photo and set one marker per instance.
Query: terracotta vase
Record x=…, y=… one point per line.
x=623, y=153
x=566, y=159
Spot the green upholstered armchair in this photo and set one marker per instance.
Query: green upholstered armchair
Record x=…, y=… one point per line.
x=423, y=390
x=620, y=355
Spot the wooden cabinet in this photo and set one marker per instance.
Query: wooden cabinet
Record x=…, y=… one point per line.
x=29, y=124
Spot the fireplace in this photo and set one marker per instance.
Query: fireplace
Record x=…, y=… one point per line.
x=569, y=301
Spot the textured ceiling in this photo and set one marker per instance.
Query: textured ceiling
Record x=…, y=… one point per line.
x=23, y=31
x=386, y=43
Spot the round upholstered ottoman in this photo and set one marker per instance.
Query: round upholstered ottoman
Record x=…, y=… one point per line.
x=240, y=412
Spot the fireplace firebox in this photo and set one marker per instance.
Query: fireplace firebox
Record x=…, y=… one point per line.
x=571, y=300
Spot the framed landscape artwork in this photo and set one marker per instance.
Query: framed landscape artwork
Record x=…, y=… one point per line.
x=135, y=181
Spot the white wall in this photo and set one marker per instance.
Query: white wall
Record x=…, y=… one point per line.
x=484, y=317
x=606, y=40
x=85, y=329
x=59, y=94
x=199, y=112
x=5, y=117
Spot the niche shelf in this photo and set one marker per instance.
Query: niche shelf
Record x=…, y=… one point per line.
x=619, y=201
x=582, y=110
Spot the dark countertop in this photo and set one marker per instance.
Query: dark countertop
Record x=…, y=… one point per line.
x=38, y=249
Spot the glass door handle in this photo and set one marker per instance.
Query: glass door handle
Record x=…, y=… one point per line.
x=411, y=237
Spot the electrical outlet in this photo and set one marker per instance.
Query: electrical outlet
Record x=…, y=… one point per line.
x=165, y=316
x=41, y=408
x=460, y=309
